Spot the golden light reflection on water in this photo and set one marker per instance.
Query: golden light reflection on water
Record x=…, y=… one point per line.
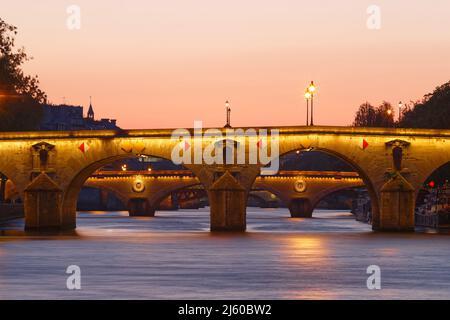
x=305, y=250
x=388, y=251
x=106, y=213
x=309, y=256
x=313, y=294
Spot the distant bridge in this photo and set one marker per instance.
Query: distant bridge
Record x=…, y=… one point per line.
x=142, y=191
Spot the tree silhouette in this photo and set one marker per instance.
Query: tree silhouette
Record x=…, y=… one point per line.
x=385, y=115
x=432, y=112
x=365, y=116
x=369, y=116
x=20, y=97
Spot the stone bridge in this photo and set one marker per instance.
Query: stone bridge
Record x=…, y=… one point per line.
x=142, y=191
x=49, y=168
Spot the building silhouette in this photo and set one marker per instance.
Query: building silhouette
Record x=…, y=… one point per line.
x=67, y=117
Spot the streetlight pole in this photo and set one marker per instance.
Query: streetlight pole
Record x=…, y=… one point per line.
x=228, y=109
x=307, y=97
x=311, y=90
x=400, y=106
x=307, y=111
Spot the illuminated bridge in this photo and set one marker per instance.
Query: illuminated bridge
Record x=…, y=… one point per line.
x=49, y=168
x=142, y=191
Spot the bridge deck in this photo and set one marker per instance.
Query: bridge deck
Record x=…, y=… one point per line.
x=284, y=130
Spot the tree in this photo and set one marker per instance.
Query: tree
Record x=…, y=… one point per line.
x=432, y=112
x=365, y=116
x=369, y=116
x=385, y=115
x=21, y=99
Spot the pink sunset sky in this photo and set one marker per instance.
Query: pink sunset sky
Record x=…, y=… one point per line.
x=166, y=63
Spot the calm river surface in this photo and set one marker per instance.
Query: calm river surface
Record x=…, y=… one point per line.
x=174, y=256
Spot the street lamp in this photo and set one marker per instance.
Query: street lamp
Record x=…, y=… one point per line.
x=389, y=113
x=228, y=109
x=311, y=90
x=400, y=106
x=307, y=97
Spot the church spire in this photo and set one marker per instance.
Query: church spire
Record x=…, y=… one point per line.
x=90, y=113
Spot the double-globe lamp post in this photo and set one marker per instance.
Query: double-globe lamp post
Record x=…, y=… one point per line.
x=309, y=95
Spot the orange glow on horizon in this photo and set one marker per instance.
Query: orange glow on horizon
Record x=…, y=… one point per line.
x=160, y=64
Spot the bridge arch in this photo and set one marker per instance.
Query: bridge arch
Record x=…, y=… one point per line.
x=371, y=182
x=193, y=193
x=262, y=201
x=434, y=196
x=330, y=192
x=163, y=193
x=155, y=189
x=72, y=190
x=9, y=169
x=167, y=191
x=11, y=198
x=302, y=205
x=119, y=195
x=436, y=164
x=278, y=193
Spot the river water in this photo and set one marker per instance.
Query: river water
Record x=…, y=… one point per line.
x=174, y=256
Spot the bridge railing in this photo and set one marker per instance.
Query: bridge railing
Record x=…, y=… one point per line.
x=284, y=173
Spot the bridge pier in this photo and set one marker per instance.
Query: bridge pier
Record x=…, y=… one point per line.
x=228, y=202
x=43, y=205
x=300, y=208
x=397, y=206
x=140, y=207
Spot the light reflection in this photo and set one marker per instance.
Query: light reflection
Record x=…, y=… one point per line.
x=313, y=294
x=388, y=251
x=306, y=251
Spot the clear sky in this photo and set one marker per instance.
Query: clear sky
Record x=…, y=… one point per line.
x=166, y=63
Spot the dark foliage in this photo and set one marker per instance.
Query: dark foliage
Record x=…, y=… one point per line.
x=20, y=97
x=369, y=116
x=433, y=112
